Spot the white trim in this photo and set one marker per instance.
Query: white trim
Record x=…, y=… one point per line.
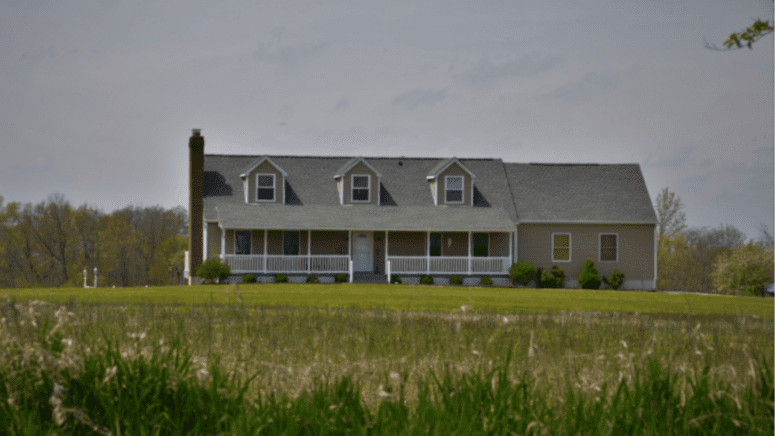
x=356, y=162
x=516, y=245
x=223, y=245
x=379, y=191
x=352, y=188
x=462, y=190
x=428, y=251
x=600, y=247
x=570, y=247
x=387, y=262
x=204, y=246
x=470, y=250
x=259, y=162
x=274, y=187
x=245, y=186
x=449, y=164
x=250, y=240
x=511, y=252
x=582, y=222
x=266, y=237
x=309, y=250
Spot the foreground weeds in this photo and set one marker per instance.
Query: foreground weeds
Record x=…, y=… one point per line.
x=150, y=369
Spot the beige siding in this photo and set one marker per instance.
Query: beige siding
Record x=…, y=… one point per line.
x=459, y=246
x=275, y=242
x=407, y=243
x=499, y=244
x=455, y=170
x=229, y=242
x=360, y=169
x=265, y=168
x=213, y=241
x=636, y=248
x=329, y=242
x=257, y=242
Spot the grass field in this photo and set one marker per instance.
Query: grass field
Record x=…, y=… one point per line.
x=594, y=362
x=420, y=298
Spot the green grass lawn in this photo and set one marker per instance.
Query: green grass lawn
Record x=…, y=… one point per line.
x=421, y=298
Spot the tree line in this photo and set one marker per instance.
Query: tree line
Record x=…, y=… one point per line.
x=709, y=260
x=50, y=244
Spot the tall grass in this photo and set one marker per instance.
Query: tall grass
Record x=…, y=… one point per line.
x=238, y=369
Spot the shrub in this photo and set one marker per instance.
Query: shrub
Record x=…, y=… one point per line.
x=395, y=279
x=522, y=272
x=456, y=280
x=616, y=280
x=281, y=278
x=589, y=278
x=744, y=271
x=426, y=279
x=559, y=277
x=544, y=279
x=213, y=270
x=341, y=278
x=486, y=281
x=248, y=278
x=312, y=279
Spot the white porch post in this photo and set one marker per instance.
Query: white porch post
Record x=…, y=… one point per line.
x=516, y=247
x=428, y=251
x=387, y=262
x=309, y=251
x=204, y=246
x=511, y=250
x=266, y=235
x=469, y=253
x=223, y=244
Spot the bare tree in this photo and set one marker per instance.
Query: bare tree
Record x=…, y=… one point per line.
x=765, y=237
x=671, y=220
x=725, y=236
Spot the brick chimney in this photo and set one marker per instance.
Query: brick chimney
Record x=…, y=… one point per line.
x=196, y=148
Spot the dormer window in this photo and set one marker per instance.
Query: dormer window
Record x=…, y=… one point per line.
x=265, y=187
x=454, y=189
x=361, y=185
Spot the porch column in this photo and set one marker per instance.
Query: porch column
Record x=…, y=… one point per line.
x=223, y=244
x=309, y=251
x=428, y=251
x=469, y=252
x=516, y=247
x=204, y=248
x=266, y=235
x=386, y=255
x=511, y=250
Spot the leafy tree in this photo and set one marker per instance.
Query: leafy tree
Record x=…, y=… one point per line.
x=759, y=29
x=589, y=278
x=676, y=269
x=744, y=271
x=167, y=268
x=671, y=220
x=765, y=237
x=725, y=236
x=212, y=269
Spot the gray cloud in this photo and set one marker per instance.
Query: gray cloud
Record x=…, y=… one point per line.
x=415, y=97
x=592, y=83
x=487, y=72
x=343, y=103
x=274, y=50
x=675, y=157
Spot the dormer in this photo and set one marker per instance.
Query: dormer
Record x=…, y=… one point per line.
x=451, y=183
x=264, y=182
x=358, y=183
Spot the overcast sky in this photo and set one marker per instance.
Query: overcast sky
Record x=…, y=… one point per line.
x=98, y=98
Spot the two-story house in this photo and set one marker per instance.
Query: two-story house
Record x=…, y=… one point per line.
x=319, y=216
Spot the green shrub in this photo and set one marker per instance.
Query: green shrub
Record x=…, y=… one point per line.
x=615, y=281
x=341, y=278
x=589, y=278
x=248, y=278
x=456, y=280
x=426, y=279
x=559, y=277
x=746, y=270
x=544, y=279
x=486, y=281
x=213, y=270
x=281, y=278
x=395, y=279
x=312, y=279
x=522, y=272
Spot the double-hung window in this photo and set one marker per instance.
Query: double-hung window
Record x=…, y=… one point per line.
x=242, y=242
x=609, y=247
x=265, y=187
x=360, y=188
x=454, y=189
x=561, y=247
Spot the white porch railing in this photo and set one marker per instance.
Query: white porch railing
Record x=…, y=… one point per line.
x=254, y=263
x=448, y=265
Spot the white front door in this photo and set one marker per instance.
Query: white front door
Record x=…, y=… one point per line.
x=363, y=251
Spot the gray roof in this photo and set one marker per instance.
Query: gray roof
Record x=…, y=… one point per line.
x=521, y=192
x=360, y=217
x=580, y=193
x=442, y=165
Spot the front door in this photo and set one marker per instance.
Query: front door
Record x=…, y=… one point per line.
x=363, y=251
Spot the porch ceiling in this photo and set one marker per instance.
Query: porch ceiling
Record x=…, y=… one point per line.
x=319, y=217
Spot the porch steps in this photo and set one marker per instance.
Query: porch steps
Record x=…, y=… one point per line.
x=368, y=277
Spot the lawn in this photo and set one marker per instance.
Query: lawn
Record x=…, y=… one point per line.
x=417, y=298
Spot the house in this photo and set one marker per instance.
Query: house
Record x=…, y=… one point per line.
x=323, y=215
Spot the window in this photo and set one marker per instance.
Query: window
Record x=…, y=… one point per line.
x=242, y=242
x=360, y=188
x=435, y=244
x=265, y=184
x=454, y=189
x=291, y=243
x=481, y=245
x=561, y=247
x=609, y=247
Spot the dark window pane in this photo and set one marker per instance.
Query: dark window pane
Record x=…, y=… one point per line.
x=454, y=196
x=266, y=193
x=481, y=244
x=242, y=242
x=608, y=240
x=455, y=183
x=608, y=254
x=435, y=244
x=266, y=181
x=360, y=182
x=291, y=243
x=360, y=195
x=561, y=254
